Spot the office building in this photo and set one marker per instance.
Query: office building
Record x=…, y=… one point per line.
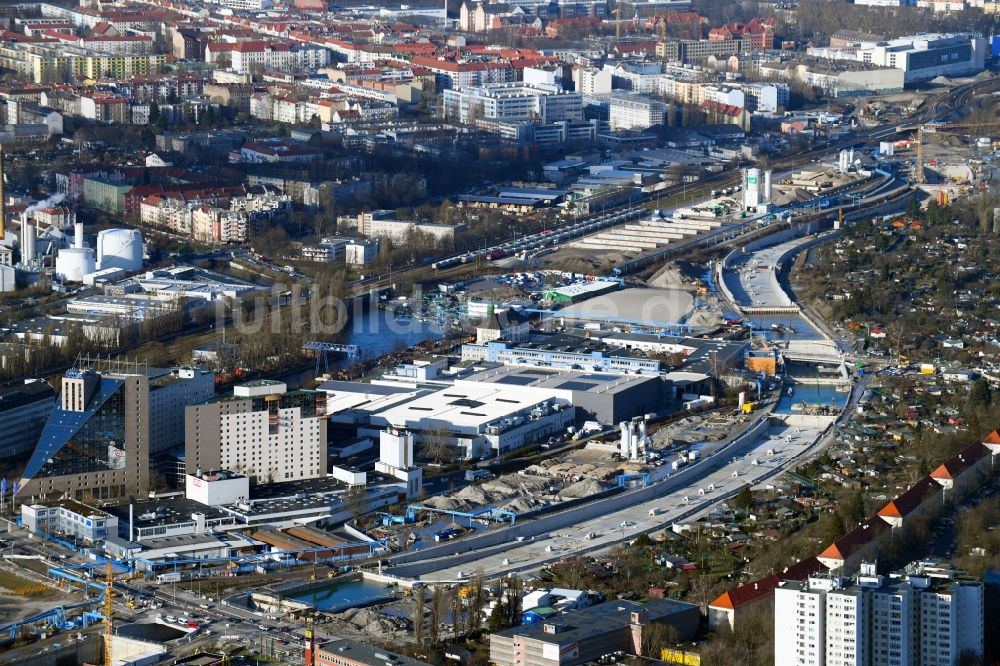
x=69, y=520
x=926, y=615
x=511, y=102
x=920, y=57
x=626, y=112
x=95, y=444
x=261, y=430
x=24, y=409
x=586, y=635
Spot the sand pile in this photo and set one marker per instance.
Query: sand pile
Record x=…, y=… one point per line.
x=366, y=620
x=583, y=488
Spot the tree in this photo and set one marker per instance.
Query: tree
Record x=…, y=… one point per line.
x=355, y=500
x=476, y=597
x=981, y=395
x=435, y=445
x=439, y=612
x=498, y=617
x=418, y=615
x=831, y=528
x=701, y=590
x=743, y=501
x=154, y=113
x=853, y=511
x=655, y=637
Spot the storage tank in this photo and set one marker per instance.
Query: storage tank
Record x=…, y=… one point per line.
x=73, y=263
x=751, y=189
x=119, y=248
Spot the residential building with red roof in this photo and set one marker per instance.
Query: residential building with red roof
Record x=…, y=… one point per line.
x=959, y=471
x=898, y=511
x=724, y=611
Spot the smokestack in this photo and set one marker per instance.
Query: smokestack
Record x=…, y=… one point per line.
x=27, y=240
x=3, y=200
x=78, y=236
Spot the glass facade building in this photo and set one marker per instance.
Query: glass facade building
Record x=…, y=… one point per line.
x=95, y=445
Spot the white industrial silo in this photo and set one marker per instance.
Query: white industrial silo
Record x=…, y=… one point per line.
x=72, y=263
x=119, y=248
x=751, y=189
x=27, y=241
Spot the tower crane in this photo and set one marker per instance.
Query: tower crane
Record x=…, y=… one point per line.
x=932, y=129
x=617, y=13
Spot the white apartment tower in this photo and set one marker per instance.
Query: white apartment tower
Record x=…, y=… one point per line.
x=926, y=615
x=845, y=628
x=800, y=638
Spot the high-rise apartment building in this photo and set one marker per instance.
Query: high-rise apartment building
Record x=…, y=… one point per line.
x=927, y=615
x=262, y=430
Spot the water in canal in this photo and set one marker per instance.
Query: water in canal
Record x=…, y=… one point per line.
x=337, y=597
x=826, y=395
x=377, y=333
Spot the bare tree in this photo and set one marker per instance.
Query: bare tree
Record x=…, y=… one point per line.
x=435, y=445
x=476, y=597
x=355, y=500
x=701, y=591
x=418, y=614
x=440, y=604
x=655, y=637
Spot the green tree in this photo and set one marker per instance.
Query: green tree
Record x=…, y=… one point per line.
x=853, y=510
x=743, y=501
x=981, y=394
x=642, y=541
x=498, y=617
x=831, y=528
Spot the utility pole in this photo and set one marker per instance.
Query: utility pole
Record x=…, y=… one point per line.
x=109, y=609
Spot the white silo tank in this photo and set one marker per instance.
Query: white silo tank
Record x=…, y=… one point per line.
x=751, y=189
x=119, y=248
x=7, y=278
x=72, y=263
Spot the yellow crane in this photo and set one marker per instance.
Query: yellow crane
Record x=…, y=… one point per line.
x=932, y=129
x=617, y=13
x=109, y=609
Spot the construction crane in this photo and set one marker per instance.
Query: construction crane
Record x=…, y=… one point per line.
x=932, y=129
x=617, y=13
x=109, y=609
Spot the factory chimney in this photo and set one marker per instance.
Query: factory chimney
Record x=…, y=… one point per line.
x=27, y=240
x=3, y=200
x=78, y=236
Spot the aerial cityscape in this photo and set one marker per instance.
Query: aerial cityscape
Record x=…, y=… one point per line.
x=481, y=332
